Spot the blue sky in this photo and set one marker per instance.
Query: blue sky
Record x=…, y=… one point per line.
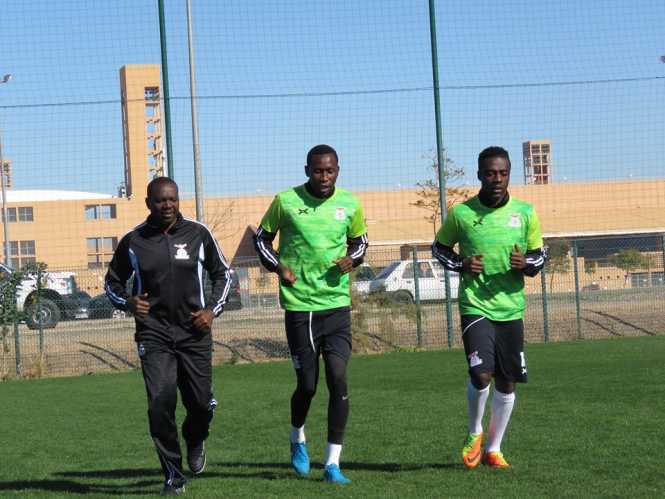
x=278, y=77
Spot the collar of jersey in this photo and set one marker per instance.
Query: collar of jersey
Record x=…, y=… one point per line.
x=303, y=187
x=155, y=227
x=489, y=208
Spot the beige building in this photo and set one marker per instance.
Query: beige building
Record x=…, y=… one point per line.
x=79, y=231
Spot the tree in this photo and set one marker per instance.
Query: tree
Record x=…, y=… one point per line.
x=428, y=191
x=629, y=260
x=220, y=218
x=559, y=261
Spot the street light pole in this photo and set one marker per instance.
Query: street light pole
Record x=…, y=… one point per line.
x=5, y=228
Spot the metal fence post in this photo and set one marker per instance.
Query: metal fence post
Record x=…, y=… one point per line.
x=577, y=292
x=416, y=284
x=546, y=321
x=440, y=157
x=39, y=310
x=17, y=349
x=663, y=248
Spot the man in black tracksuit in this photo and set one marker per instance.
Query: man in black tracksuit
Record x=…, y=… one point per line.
x=167, y=256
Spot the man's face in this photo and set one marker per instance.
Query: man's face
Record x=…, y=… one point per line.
x=322, y=174
x=163, y=204
x=494, y=175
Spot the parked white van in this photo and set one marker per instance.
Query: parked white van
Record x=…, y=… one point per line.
x=398, y=279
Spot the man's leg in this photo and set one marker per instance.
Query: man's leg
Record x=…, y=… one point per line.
x=159, y=366
x=336, y=328
x=195, y=383
x=478, y=338
x=510, y=368
x=304, y=354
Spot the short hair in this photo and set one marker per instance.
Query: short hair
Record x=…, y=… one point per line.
x=492, y=152
x=158, y=182
x=320, y=150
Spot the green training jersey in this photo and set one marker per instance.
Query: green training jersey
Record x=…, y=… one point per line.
x=312, y=235
x=498, y=291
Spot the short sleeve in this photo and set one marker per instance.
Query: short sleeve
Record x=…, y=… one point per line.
x=357, y=226
x=448, y=233
x=534, y=238
x=272, y=218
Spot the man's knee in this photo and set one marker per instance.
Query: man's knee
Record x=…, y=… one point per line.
x=306, y=387
x=504, y=386
x=480, y=380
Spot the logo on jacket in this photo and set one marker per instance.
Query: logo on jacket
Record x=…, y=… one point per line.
x=141, y=349
x=303, y=211
x=340, y=214
x=515, y=220
x=181, y=254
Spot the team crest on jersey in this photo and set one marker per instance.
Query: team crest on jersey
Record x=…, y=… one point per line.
x=141, y=349
x=181, y=254
x=474, y=360
x=515, y=220
x=340, y=214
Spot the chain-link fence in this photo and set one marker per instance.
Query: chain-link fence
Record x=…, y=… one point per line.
x=591, y=288
x=573, y=90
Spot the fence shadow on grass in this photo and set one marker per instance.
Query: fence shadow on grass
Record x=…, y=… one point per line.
x=350, y=465
x=77, y=487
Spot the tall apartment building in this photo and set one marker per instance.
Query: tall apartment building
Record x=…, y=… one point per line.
x=537, y=157
x=141, y=126
x=7, y=173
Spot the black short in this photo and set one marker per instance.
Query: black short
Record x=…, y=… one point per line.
x=496, y=347
x=310, y=333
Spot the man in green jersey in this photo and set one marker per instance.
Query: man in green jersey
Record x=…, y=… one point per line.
x=499, y=242
x=322, y=238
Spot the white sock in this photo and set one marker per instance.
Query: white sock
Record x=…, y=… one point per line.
x=298, y=435
x=476, y=406
x=502, y=407
x=333, y=452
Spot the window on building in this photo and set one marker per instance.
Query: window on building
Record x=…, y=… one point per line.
x=25, y=214
x=100, y=211
x=100, y=251
x=151, y=93
x=11, y=215
x=20, y=214
x=21, y=253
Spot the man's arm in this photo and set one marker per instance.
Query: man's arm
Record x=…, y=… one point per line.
x=219, y=272
x=448, y=257
x=119, y=271
x=263, y=246
x=536, y=251
x=356, y=247
x=535, y=261
x=454, y=262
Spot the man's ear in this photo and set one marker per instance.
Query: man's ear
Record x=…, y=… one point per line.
x=147, y=203
x=307, y=171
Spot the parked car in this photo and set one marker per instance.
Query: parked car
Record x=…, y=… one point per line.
x=398, y=281
x=361, y=279
x=100, y=306
x=58, y=299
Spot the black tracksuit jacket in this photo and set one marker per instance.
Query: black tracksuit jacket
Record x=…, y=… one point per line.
x=170, y=268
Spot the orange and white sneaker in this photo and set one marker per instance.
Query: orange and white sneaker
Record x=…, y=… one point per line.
x=495, y=460
x=472, y=450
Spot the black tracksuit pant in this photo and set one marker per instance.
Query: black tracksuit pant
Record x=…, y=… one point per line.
x=184, y=363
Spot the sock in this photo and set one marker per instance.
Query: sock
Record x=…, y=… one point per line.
x=502, y=407
x=333, y=452
x=298, y=435
x=476, y=406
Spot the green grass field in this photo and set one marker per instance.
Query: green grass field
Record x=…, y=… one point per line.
x=588, y=424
